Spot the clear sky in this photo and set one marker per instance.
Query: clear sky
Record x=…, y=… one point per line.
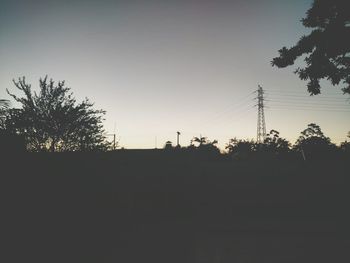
x=158, y=67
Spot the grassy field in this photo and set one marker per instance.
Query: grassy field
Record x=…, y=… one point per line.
x=140, y=207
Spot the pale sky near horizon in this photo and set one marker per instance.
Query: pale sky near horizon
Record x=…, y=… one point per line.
x=158, y=67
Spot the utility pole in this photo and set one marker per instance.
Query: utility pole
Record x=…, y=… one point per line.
x=114, y=145
x=178, y=141
x=114, y=140
x=261, y=127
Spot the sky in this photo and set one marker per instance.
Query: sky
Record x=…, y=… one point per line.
x=158, y=67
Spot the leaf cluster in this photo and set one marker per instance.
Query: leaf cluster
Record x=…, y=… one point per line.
x=326, y=48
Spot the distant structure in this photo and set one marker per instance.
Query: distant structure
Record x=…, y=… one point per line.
x=261, y=127
x=114, y=141
x=114, y=138
x=178, y=139
x=168, y=145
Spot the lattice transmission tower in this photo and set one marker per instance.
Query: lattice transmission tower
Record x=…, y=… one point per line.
x=261, y=127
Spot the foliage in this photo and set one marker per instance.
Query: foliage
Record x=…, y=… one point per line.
x=327, y=47
x=204, y=145
x=312, y=131
x=313, y=142
x=274, y=144
x=4, y=105
x=52, y=120
x=240, y=148
x=345, y=146
x=201, y=141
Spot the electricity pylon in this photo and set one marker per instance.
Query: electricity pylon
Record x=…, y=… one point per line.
x=261, y=127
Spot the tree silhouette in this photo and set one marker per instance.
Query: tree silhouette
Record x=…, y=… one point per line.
x=240, y=149
x=203, y=141
x=205, y=146
x=313, y=142
x=51, y=120
x=274, y=144
x=327, y=47
x=345, y=146
x=312, y=130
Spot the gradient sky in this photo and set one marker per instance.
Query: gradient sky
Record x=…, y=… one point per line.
x=158, y=67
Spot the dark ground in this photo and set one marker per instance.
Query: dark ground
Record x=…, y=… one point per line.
x=156, y=208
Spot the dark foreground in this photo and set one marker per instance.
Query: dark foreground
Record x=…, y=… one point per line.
x=105, y=208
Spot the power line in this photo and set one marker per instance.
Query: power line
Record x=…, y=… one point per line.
x=321, y=103
x=241, y=105
x=304, y=92
x=334, y=100
x=235, y=118
x=308, y=109
x=307, y=104
x=303, y=96
x=289, y=101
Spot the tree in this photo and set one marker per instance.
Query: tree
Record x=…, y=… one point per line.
x=202, y=141
x=327, y=47
x=274, y=144
x=313, y=142
x=240, y=148
x=4, y=105
x=345, y=146
x=312, y=131
x=205, y=147
x=52, y=120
